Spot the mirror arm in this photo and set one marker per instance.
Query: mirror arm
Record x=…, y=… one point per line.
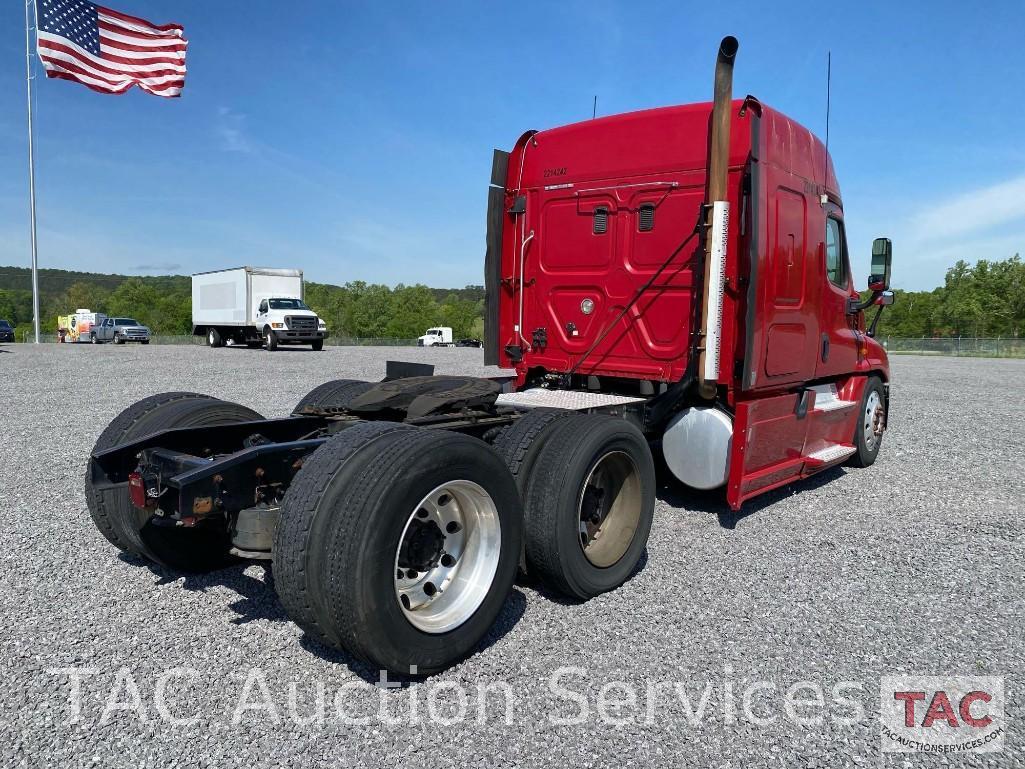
x=854, y=306
x=875, y=322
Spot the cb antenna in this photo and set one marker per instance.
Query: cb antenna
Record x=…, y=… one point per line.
x=829, y=77
x=594, y=109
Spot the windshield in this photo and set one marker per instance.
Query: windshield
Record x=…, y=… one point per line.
x=126, y=322
x=4, y=324
x=288, y=304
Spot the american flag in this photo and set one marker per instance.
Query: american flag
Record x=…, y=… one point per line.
x=109, y=51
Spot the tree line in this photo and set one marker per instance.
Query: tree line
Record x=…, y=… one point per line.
x=164, y=303
x=986, y=299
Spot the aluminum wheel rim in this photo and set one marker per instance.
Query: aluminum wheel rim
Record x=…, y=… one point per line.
x=609, y=509
x=872, y=425
x=446, y=592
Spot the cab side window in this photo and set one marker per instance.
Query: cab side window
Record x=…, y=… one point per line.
x=836, y=253
x=263, y=306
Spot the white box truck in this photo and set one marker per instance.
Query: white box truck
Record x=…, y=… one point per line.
x=254, y=306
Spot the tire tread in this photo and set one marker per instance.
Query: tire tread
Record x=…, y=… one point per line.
x=292, y=541
x=514, y=442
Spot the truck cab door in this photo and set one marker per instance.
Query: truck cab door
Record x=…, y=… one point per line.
x=261, y=311
x=838, y=342
x=784, y=327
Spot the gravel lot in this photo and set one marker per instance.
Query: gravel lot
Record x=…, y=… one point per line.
x=912, y=566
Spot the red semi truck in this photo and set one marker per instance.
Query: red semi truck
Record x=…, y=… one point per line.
x=671, y=282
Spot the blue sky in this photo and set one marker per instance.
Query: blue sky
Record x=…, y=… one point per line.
x=354, y=139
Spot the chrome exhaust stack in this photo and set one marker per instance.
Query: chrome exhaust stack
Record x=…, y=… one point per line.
x=717, y=216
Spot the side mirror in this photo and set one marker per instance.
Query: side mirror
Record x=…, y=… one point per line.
x=885, y=299
x=882, y=255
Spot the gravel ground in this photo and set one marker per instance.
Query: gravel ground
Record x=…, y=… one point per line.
x=912, y=566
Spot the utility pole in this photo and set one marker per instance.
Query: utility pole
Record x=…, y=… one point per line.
x=31, y=174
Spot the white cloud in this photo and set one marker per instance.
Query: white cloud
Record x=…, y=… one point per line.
x=972, y=211
x=930, y=235
x=167, y=268
x=230, y=129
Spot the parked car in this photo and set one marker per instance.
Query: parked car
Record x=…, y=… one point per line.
x=119, y=331
x=6, y=331
x=469, y=343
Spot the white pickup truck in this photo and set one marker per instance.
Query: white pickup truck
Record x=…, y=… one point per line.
x=254, y=306
x=119, y=331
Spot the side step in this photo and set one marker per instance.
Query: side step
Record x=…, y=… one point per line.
x=834, y=452
x=827, y=399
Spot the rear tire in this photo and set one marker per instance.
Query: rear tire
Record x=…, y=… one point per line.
x=519, y=444
x=297, y=563
x=871, y=416
x=213, y=338
x=371, y=500
x=338, y=393
x=127, y=528
x=589, y=504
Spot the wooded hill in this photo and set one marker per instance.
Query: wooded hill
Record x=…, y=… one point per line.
x=164, y=303
x=986, y=299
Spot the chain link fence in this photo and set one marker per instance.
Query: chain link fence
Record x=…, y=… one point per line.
x=978, y=347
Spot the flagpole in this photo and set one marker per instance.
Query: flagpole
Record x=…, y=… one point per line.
x=31, y=174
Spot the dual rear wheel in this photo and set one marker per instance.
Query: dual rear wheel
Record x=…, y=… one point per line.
x=400, y=544
x=588, y=488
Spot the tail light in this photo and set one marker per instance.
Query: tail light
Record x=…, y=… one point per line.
x=137, y=490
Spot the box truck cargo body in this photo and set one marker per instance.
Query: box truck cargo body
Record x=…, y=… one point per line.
x=254, y=306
